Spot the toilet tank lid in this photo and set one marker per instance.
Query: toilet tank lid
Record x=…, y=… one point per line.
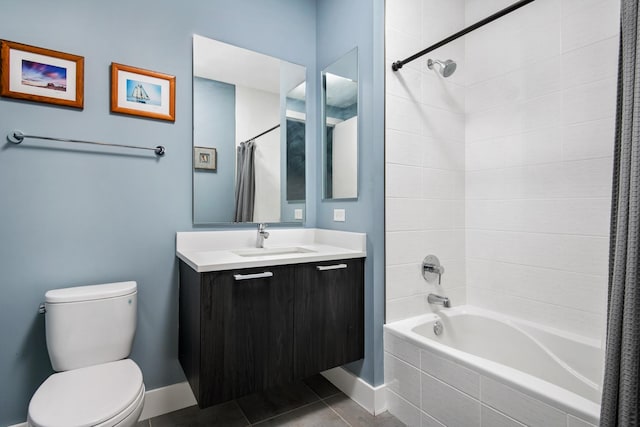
x=89, y=293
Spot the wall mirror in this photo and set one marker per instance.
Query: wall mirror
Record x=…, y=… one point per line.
x=340, y=136
x=249, y=119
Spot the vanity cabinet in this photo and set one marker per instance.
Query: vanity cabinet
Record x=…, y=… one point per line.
x=328, y=322
x=241, y=331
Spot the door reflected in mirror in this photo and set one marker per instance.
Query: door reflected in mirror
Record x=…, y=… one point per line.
x=251, y=109
x=340, y=112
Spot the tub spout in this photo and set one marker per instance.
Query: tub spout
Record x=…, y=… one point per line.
x=437, y=299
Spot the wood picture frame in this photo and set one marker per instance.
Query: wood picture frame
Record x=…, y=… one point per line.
x=144, y=93
x=205, y=158
x=42, y=75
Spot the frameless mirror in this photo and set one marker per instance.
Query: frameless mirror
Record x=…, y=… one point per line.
x=340, y=114
x=248, y=136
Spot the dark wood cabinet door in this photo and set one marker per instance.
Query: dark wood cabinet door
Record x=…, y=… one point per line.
x=329, y=315
x=246, y=332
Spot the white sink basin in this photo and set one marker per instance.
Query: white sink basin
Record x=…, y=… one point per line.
x=271, y=251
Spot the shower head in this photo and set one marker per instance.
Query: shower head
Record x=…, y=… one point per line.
x=447, y=67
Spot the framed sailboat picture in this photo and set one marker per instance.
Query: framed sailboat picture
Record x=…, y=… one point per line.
x=42, y=75
x=143, y=93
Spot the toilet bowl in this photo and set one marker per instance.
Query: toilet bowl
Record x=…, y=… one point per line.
x=89, y=333
x=104, y=395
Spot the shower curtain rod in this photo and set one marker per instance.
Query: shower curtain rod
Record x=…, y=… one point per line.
x=263, y=133
x=398, y=64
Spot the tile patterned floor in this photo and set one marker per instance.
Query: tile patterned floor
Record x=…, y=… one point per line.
x=312, y=402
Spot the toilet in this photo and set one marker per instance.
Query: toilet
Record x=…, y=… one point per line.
x=90, y=332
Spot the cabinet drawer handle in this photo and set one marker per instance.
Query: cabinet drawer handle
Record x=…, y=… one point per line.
x=331, y=267
x=252, y=276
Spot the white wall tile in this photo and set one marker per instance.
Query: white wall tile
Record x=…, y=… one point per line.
x=441, y=18
x=589, y=23
x=590, y=63
x=451, y=373
x=562, y=288
x=519, y=406
x=402, y=378
x=448, y=405
x=440, y=92
x=584, y=254
x=404, y=148
x=405, y=17
x=588, y=140
x=559, y=216
x=403, y=181
x=405, y=84
x=591, y=101
x=403, y=115
x=404, y=214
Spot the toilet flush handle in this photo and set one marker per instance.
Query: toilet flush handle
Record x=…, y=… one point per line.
x=42, y=309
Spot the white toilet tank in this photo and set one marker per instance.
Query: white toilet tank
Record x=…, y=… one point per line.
x=89, y=325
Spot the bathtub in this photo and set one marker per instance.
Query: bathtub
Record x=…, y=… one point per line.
x=487, y=369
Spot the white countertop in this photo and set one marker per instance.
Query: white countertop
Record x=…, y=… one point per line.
x=215, y=250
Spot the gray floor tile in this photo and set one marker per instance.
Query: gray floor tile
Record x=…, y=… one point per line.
x=226, y=414
x=144, y=423
x=267, y=404
x=314, y=415
x=321, y=386
x=357, y=416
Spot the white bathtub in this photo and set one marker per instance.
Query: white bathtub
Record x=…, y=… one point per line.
x=487, y=369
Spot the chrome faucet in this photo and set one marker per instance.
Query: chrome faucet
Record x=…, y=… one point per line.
x=262, y=234
x=437, y=299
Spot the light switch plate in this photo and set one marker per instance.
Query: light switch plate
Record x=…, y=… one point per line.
x=297, y=214
x=339, y=215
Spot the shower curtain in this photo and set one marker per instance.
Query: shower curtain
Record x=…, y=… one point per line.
x=621, y=388
x=245, y=182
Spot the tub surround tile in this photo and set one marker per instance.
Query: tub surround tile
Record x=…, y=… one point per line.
x=429, y=421
x=402, y=378
x=403, y=410
x=577, y=422
x=519, y=406
x=448, y=405
x=401, y=349
x=493, y=418
x=451, y=373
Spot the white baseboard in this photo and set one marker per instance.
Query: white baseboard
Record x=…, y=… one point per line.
x=160, y=401
x=171, y=398
x=167, y=399
x=373, y=399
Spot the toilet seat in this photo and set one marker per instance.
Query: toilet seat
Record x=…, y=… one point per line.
x=100, y=395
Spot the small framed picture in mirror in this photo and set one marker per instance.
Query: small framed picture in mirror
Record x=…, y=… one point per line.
x=204, y=158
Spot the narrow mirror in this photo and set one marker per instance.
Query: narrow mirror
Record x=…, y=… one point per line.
x=248, y=136
x=340, y=111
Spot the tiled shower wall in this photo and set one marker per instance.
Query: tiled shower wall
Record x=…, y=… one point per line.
x=424, y=157
x=540, y=111
x=520, y=217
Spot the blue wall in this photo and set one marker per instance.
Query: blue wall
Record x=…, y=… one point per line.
x=214, y=125
x=73, y=215
x=341, y=26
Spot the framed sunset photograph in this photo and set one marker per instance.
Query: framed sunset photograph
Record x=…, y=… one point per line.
x=41, y=75
x=140, y=92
